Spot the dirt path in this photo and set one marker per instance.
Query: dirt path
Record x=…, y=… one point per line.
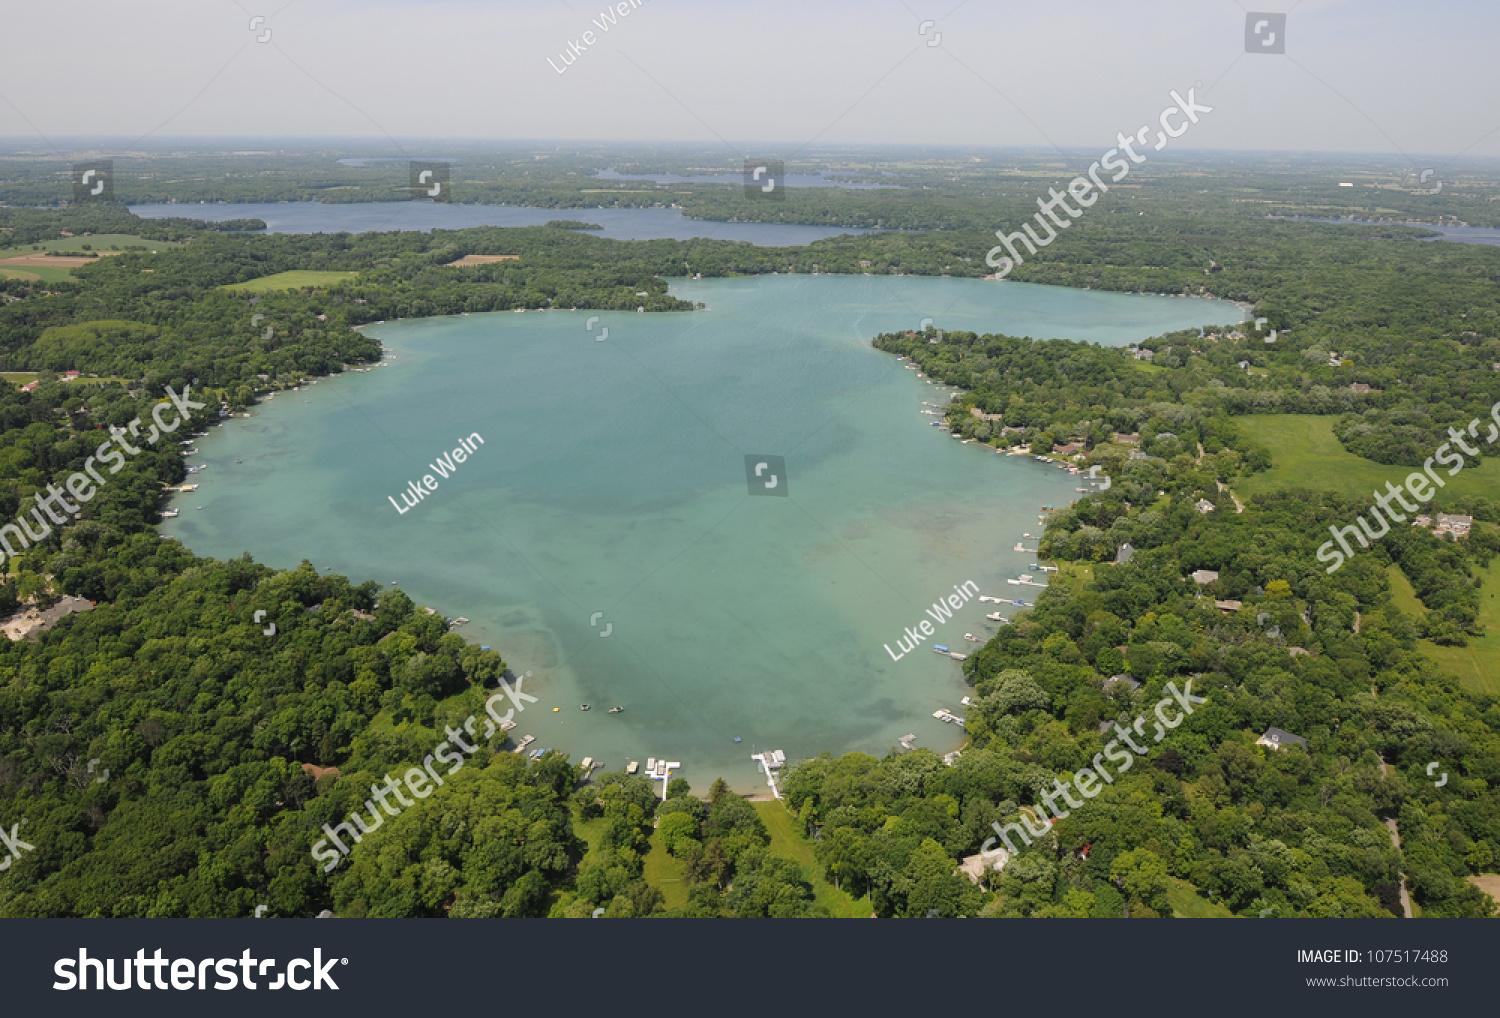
x=1239, y=506
x=1396, y=840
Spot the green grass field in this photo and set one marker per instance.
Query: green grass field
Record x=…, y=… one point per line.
x=35, y=273
x=664, y=873
x=1305, y=453
x=96, y=242
x=785, y=841
x=1187, y=903
x=294, y=280
x=1477, y=665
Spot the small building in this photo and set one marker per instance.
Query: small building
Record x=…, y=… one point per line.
x=1203, y=577
x=1136, y=454
x=1203, y=505
x=1143, y=355
x=1362, y=387
x=984, y=416
x=1451, y=523
x=1275, y=738
x=1134, y=438
x=1123, y=554
x=1132, y=683
x=1228, y=607
x=1008, y=430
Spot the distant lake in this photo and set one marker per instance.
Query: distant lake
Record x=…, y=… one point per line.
x=363, y=217
x=605, y=538
x=792, y=179
x=1458, y=234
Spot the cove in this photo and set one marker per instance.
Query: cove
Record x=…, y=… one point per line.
x=606, y=538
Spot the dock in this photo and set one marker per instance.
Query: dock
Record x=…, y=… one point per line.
x=948, y=717
x=771, y=761
x=528, y=740
x=632, y=767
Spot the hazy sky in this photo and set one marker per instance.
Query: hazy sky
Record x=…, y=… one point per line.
x=1415, y=77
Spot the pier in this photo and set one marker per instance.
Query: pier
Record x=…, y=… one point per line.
x=772, y=761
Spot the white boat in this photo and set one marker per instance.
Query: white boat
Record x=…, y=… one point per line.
x=168, y=513
x=995, y=617
x=971, y=638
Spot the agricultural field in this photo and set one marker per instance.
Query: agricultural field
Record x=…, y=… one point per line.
x=297, y=279
x=1306, y=454
x=1477, y=666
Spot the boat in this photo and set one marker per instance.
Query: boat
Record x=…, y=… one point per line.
x=528, y=740
x=616, y=710
x=940, y=648
x=955, y=655
x=583, y=706
x=168, y=513
x=971, y=638
x=995, y=617
x=632, y=767
x=650, y=763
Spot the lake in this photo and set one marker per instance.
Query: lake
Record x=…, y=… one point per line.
x=605, y=536
x=361, y=217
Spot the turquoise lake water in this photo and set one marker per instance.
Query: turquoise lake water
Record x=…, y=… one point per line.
x=612, y=479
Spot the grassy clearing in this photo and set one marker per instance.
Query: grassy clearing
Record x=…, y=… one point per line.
x=1477, y=666
x=297, y=279
x=36, y=273
x=96, y=242
x=785, y=841
x=1075, y=574
x=1305, y=453
x=1187, y=903
x=664, y=873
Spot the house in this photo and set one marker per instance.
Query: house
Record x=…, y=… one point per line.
x=1008, y=430
x=1228, y=606
x=70, y=375
x=1123, y=554
x=1275, y=738
x=1362, y=387
x=1143, y=355
x=1134, y=438
x=1134, y=685
x=1067, y=450
x=26, y=624
x=973, y=867
x=984, y=416
x=1203, y=505
x=1450, y=523
x=1136, y=454
x=1205, y=576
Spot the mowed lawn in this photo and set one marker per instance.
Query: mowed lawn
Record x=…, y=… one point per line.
x=785, y=841
x=1477, y=665
x=296, y=279
x=1306, y=454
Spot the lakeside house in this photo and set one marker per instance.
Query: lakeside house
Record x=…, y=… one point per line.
x=984, y=416
x=1275, y=738
x=1070, y=449
x=1134, y=438
x=26, y=624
